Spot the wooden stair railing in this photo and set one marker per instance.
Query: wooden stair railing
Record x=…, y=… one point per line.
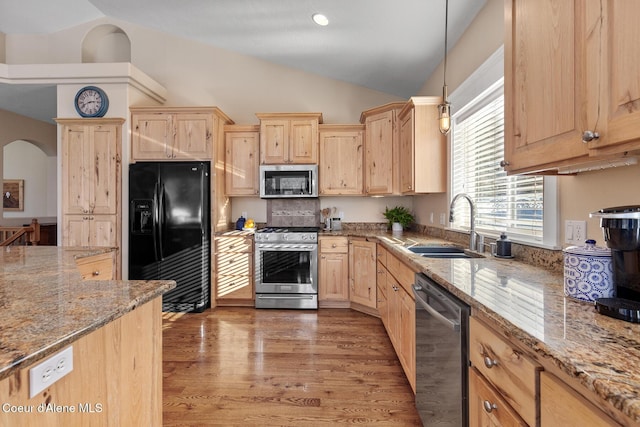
x=27, y=235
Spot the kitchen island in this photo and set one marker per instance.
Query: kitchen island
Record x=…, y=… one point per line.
x=114, y=328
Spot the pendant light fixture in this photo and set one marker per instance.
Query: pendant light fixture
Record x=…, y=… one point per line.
x=444, y=109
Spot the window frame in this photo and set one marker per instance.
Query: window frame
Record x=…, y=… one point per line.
x=481, y=80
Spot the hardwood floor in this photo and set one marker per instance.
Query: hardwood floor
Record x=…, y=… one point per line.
x=248, y=367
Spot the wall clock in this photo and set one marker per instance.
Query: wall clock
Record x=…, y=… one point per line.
x=91, y=101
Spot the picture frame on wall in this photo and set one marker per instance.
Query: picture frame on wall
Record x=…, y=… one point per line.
x=13, y=195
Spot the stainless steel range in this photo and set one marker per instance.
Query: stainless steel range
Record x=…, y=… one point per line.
x=286, y=261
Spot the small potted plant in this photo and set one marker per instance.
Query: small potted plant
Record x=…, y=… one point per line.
x=398, y=217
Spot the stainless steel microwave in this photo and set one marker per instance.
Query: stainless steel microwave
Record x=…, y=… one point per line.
x=280, y=181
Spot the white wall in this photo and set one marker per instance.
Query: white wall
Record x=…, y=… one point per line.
x=23, y=160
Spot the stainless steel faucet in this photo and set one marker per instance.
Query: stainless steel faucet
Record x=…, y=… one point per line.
x=473, y=237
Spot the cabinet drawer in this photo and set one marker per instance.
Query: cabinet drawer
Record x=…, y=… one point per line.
x=487, y=407
x=238, y=264
x=334, y=244
x=233, y=244
x=403, y=274
x=382, y=255
x=506, y=368
x=96, y=267
x=234, y=286
x=561, y=406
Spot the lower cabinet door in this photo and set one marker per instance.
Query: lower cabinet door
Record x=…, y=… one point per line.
x=486, y=406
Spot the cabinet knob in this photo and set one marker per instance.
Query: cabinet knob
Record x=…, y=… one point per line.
x=589, y=136
x=504, y=163
x=334, y=245
x=489, y=407
x=96, y=273
x=489, y=362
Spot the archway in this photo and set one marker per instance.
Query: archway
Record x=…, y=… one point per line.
x=106, y=43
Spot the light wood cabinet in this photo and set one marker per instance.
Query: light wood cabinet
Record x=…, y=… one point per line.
x=362, y=272
x=382, y=163
x=97, y=267
x=116, y=378
x=242, y=160
x=400, y=317
x=341, y=159
x=423, y=150
x=614, y=69
x=562, y=406
x=181, y=133
x=289, y=137
x=507, y=369
x=570, y=67
x=333, y=272
x=91, y=176
x=487, y=408
x=234, y=269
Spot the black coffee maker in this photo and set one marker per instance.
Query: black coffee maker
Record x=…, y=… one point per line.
x=621, y=228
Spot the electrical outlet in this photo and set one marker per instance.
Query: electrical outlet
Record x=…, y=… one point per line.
x=575, y=232
x=431, y=217
x=443, y=219
x=51, y=370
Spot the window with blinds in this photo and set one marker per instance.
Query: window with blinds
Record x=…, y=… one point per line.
x=513, y=204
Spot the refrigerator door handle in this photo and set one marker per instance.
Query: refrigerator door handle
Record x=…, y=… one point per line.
x=161, y=218
x=156, y=222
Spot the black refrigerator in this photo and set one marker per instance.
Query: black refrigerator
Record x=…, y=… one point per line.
x=169, y=230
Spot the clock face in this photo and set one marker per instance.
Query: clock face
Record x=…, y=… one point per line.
x=91, y=102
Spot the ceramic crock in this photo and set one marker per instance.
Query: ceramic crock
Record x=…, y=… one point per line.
x=588, y=272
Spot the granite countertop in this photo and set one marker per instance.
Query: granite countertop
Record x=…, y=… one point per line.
x=528, y=303
x=46, y=305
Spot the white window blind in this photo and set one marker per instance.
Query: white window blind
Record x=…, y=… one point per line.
x=513, y=204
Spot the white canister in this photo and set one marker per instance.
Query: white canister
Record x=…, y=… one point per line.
x=588, y=272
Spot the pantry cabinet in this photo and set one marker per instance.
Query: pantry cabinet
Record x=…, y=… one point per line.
x=570, y=68
x=382, y=163
x=242, y=160
x=341, y=160
x=362, y=272
x=289, y=137
x=91, y=177
x=333, y=272
x=423, y=149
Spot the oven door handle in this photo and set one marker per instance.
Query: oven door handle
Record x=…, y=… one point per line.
x=285, y=297
x=450, y=323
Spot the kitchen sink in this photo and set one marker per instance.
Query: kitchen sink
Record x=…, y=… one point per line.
x=442, y=251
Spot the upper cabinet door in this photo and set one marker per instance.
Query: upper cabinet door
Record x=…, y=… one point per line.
x=151, y=136
x=613, y=40
x=241, y=162
x=106, y=168
x=341, y=157
x=289, y=138
x=303, y=142
x=545, y=88
x=379, y=154
x=274, y=137
x=193, y=136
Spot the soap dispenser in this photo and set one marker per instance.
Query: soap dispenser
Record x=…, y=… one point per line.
x=503, y=247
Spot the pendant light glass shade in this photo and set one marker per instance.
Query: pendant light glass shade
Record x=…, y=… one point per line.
x=444, y=109
x=444, y=113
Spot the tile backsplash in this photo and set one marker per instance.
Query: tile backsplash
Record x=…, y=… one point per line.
x=293, y=212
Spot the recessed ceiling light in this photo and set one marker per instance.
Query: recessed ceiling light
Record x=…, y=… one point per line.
x=320, y=19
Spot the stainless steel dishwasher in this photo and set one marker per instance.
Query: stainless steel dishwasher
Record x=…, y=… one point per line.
x=442, y=343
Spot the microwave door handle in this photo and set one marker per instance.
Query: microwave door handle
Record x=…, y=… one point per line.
x=450, y=323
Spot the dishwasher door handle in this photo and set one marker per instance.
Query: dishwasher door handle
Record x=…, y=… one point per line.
x=451, y=323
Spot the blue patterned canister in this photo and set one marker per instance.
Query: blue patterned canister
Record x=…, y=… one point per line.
x=588, y=272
